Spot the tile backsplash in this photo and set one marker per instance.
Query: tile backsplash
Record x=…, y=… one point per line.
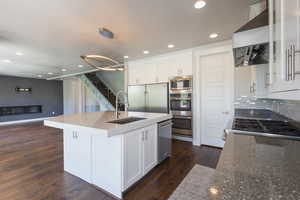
x=288, y=108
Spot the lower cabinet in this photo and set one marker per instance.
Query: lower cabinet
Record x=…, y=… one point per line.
x=133, y=157
x=150, y=148
x=77, y=154
x=110, y=163
x=140, y=154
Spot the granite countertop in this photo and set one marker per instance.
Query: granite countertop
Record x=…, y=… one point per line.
x=98, y=121
x=257, y=168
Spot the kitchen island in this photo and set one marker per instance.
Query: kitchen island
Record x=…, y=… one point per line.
x=107, y=154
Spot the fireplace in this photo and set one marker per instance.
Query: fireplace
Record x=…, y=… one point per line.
x=20, y=110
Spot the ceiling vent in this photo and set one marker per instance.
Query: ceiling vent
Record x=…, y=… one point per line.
x=106, y=33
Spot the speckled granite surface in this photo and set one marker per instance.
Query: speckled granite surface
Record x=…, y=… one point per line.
x=257, y=168
x=250, y=168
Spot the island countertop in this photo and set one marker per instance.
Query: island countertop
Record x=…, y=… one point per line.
x=255, y=167
x=97, y=122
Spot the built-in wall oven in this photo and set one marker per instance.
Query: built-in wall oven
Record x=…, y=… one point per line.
x=181, y=105
x=181, y=83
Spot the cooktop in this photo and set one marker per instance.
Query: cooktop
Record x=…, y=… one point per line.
x=267, y=127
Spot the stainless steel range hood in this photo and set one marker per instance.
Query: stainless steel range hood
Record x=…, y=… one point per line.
x=251, y=41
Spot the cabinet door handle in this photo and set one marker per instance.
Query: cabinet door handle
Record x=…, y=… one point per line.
x=287, y=64
x=75, y=135
x=143, y=136
x=293, y=62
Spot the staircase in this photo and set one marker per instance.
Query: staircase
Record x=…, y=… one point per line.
x=103, y=89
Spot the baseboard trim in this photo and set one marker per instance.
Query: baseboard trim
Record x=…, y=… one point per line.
x=22, y=121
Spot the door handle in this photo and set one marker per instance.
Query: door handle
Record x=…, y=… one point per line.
x=226, y=112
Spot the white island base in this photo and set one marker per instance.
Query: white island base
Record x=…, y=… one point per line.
x=110, y=156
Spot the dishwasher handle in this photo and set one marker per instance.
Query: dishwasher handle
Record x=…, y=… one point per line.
x=165, y=124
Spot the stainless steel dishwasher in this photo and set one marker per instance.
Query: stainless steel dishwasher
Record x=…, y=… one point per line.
x=164, y=140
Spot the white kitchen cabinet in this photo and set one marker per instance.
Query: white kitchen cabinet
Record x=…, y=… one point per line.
x=284, y=45
x=133, y=157
x=140, y=154
x=142, y=73
x=135, y=72
x=185, y=64
x=159, y=69
x=149, y=148
x=162, y=70
x=179, y=65
x=77, y=154
x=253, y=81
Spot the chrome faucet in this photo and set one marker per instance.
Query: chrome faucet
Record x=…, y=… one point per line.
x=117, y=102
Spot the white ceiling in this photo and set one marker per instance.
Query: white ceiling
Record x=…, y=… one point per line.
x=53, y=34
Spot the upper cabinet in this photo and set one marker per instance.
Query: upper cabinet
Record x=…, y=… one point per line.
x=251, y=81
x=159, y=69
x=284, y=45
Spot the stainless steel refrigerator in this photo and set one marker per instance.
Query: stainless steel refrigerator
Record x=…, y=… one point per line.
x=149, y=98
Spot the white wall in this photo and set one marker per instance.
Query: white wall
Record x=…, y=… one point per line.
x=78, y=98
x=113, y=80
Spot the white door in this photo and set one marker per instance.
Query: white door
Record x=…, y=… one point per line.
x=216, y=72
x=77, y=154
x=133, y=157
x=150, y=148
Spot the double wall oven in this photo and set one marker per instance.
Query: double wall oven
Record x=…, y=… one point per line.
x=181, y=105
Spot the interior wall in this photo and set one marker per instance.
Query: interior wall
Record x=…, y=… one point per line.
x=49, y=94
x=113, y=80
x=78, y=98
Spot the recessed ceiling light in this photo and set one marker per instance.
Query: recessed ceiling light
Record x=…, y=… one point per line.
x=6, y=61
x=170, y=46
x=199, y=4
x=213, y=191
x=126, y=57
x=146, y=52
x=80, y=66
x=50, y=73
x=213, y=35
x=64, y=70
x=19, y=54
x=40, y=76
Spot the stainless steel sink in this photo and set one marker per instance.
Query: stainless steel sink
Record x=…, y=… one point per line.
x=126, y=120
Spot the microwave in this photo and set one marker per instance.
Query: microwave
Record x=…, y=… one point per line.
x=181, y=83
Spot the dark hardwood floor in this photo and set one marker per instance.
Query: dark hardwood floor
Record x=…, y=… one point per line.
x=31, y=168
